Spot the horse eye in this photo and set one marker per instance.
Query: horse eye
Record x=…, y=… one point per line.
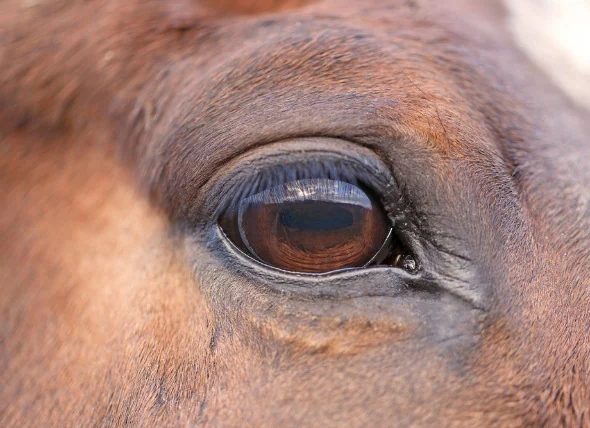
x=312, y=226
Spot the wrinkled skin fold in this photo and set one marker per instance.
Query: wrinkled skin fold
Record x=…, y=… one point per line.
x=123, y=127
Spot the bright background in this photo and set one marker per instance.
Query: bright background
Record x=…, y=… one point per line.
x=556, y=35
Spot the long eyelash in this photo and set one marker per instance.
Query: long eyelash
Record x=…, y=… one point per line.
x=313, y=189
x=246, y=185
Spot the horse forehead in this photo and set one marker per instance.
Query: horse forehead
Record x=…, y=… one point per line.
x=388, y=54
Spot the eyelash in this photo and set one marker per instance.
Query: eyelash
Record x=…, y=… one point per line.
x=269, y=177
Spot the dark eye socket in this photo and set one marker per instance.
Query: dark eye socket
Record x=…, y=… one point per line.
x=314, y=225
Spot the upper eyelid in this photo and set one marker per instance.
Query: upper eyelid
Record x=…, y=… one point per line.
x=345, y=159
x=207, y=118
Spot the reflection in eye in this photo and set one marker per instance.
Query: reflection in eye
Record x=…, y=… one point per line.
x=313, y=226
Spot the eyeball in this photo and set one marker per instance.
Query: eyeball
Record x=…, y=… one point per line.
x=312, y=226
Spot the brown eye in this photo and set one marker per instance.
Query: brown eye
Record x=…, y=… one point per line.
x=312, y=226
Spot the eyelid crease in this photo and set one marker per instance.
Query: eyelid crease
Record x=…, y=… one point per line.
x=312, y=189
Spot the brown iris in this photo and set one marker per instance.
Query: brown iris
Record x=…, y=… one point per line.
x=312, y=226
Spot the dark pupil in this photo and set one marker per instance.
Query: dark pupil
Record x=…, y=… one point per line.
x=315, y=217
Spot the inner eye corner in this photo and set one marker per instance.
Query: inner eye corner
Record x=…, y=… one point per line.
x=316, y=226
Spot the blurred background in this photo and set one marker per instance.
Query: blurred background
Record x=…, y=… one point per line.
x=556, y=34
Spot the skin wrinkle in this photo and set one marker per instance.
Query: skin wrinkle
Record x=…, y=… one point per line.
x=116, y=117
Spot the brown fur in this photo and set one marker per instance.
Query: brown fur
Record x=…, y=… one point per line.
x=118, y=118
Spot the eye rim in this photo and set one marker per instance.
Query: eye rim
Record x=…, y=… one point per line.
x=212, y=200
x=364, y=162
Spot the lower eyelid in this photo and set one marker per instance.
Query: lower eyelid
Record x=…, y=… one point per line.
x=309, y=284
